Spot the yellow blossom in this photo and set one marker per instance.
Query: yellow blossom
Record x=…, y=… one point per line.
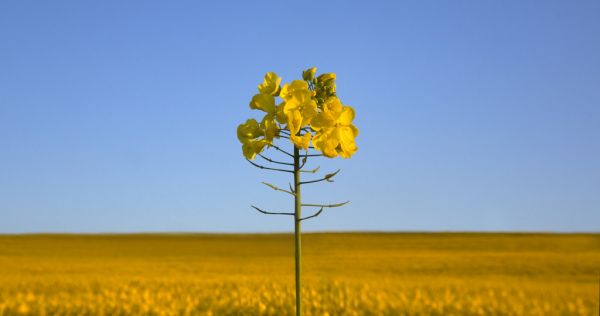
x=263, y=102
x=297, y=88
x=310, y=110
x=248, y=134
x=335, y=132
x=249, y=130
x=270, y=84
x=299, y=107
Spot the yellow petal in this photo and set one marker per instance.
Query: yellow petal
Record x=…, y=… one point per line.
x=269, y=127
x=301, y=142
x=270, y=84
x=354, y=130
x=253, y=147
x=279, y=113
x=294, y=121
x=321, y=120
x=290, y=89
x=309, y=110
x=325, y=142
x=248, y=130
x=263, y=102
x=291, y=105
x=346, y=116
x=333, y=105
x=345, y=135
x=248, y=151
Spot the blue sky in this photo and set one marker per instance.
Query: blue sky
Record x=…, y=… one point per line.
x=120, y=116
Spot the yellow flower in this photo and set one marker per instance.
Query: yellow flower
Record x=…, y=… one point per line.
x=335, y=132
x=249, y=130
x=299, y=107
x=296, y=88
x=310, y=111
x=263, y=102
x=332, y=108
x=248, y=134
x=270, y=84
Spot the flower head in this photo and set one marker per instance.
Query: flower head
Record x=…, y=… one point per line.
x=309, y=110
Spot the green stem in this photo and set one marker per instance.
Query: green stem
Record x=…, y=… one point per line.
x=297, y=229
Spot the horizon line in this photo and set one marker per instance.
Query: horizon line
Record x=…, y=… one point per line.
x=407, y=232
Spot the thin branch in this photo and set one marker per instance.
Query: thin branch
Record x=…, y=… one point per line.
x=284, y=136
x=271, y=213
x=328, y=177
x=311, y=171
x=283, y=151
x=278, y=189
x=314, y=215
x=314, y=155
x=275, y=161
x=327, y=205
x=291, y=189
x=263, y=167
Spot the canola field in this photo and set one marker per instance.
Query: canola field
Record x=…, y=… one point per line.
x=343, y=274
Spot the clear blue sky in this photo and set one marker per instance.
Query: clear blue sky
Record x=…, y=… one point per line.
x=121, y=115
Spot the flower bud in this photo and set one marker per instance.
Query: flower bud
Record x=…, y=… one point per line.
x=309, y=74
x=326, y=77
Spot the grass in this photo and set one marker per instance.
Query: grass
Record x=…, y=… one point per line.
x=344, y=274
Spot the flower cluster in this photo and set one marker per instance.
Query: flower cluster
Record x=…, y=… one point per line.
x=309, y=111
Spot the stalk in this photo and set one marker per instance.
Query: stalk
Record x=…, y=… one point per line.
x=297, y=229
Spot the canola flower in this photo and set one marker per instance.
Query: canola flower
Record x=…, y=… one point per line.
x=309, y=110
x=359, y=274
x=304, y=111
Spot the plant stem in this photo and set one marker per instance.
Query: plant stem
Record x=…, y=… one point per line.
x=297, y=229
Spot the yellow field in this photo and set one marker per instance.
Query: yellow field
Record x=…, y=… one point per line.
x=344, y=274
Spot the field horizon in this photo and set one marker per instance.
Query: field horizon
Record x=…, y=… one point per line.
x=323, y=232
